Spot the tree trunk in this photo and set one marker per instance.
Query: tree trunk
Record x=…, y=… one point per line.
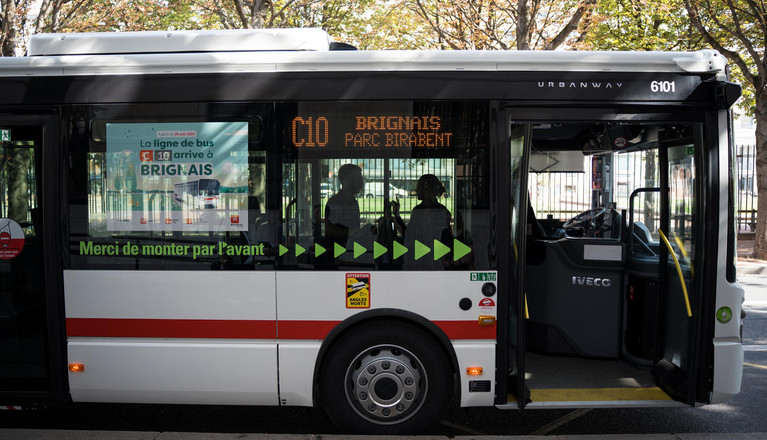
x=8, y=45
x=760, y=244
x=523, y=26
x=18, y=189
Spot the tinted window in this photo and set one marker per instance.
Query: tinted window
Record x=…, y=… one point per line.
x=169, y=187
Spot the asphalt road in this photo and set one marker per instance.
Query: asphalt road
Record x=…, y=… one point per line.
x=743, y=414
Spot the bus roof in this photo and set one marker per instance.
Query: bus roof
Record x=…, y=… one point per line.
x=237, y=40
x=301, y=50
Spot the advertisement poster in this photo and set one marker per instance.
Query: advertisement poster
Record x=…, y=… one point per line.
x=177, y=176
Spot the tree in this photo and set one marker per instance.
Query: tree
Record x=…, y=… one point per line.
x=129, y=15
x=737, y=29
x=366, y=24
x=505, y=24
x=53, y=16
x=331, y=15
x=17, y=163
x=8, y=26
x=641, y=25
x=388, y=24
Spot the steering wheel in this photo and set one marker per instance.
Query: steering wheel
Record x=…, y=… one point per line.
x=591, y=222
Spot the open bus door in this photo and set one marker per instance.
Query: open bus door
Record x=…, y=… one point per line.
x=674, y=293
x=608, y=321
x=514, y=155
x=31, y=355
x=661, y=237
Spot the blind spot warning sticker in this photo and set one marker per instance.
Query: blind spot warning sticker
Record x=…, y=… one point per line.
x=357, y=290
x=11, y=239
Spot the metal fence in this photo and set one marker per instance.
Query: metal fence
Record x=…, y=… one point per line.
x=745, y=208
x=564, y=195
x=561, y=195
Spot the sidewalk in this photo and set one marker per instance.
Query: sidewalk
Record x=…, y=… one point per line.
x=746, y=264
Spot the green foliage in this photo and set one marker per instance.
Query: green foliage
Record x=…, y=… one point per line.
x=642, y=25
x=667, y=25
x=387, y=25
x=737, y=29
x=504, y=24
x=131, y=15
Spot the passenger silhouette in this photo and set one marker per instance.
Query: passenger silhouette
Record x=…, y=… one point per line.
x=429, y=221
x=342, y=212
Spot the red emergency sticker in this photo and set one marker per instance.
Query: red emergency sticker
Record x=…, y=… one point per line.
x=11, y=239
x=487, y=304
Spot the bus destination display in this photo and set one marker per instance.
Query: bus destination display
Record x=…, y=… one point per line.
x=336, y=130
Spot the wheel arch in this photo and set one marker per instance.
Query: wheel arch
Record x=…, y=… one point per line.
x=380, y=315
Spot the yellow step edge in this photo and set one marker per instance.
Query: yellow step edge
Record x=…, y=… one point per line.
x=596, y=394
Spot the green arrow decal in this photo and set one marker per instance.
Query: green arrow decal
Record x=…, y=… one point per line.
x=283, y=250
x=378, y=249
x=399, y=250
x=459, y=250
x=421, y=250
x=440, y=250
x=318, y=250
x=358, y=250
x=338, y=250
x=299, y=250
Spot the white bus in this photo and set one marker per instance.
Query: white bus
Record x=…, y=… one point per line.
x=502, y=288
x=199, y=194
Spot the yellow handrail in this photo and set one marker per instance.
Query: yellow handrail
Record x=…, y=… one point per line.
x=679, y=271
x=527, y=312
x=684, y=252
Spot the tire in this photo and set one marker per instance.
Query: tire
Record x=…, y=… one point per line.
x=388, y=378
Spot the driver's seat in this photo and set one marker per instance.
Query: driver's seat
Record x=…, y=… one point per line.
x=642, y=232
x=615, y=220
x=534, y=228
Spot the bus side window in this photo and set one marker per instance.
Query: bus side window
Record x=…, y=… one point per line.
x=160, y=192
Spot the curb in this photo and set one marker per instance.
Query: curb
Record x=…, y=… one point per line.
x=752, y=268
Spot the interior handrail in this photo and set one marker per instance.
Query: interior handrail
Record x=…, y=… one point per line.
x=631, y=211
x=678, y=271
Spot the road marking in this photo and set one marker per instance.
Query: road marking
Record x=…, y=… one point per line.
x=763, y=367
x=561, y=421
x=464, y=428
x=755, y=348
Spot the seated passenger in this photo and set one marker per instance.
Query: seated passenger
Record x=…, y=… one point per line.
x=342, y=212
x=429, y=221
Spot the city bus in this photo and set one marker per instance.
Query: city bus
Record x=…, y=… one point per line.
x=199, y=194
x=565, y=239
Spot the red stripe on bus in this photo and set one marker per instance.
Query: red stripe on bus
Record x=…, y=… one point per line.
x=306, y=329
x=320, y=329
x=171, y=328
x=229, y=329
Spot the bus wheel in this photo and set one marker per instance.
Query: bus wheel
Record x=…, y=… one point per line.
x=390, y=378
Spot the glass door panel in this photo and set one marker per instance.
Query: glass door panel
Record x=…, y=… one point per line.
x=23, y=328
